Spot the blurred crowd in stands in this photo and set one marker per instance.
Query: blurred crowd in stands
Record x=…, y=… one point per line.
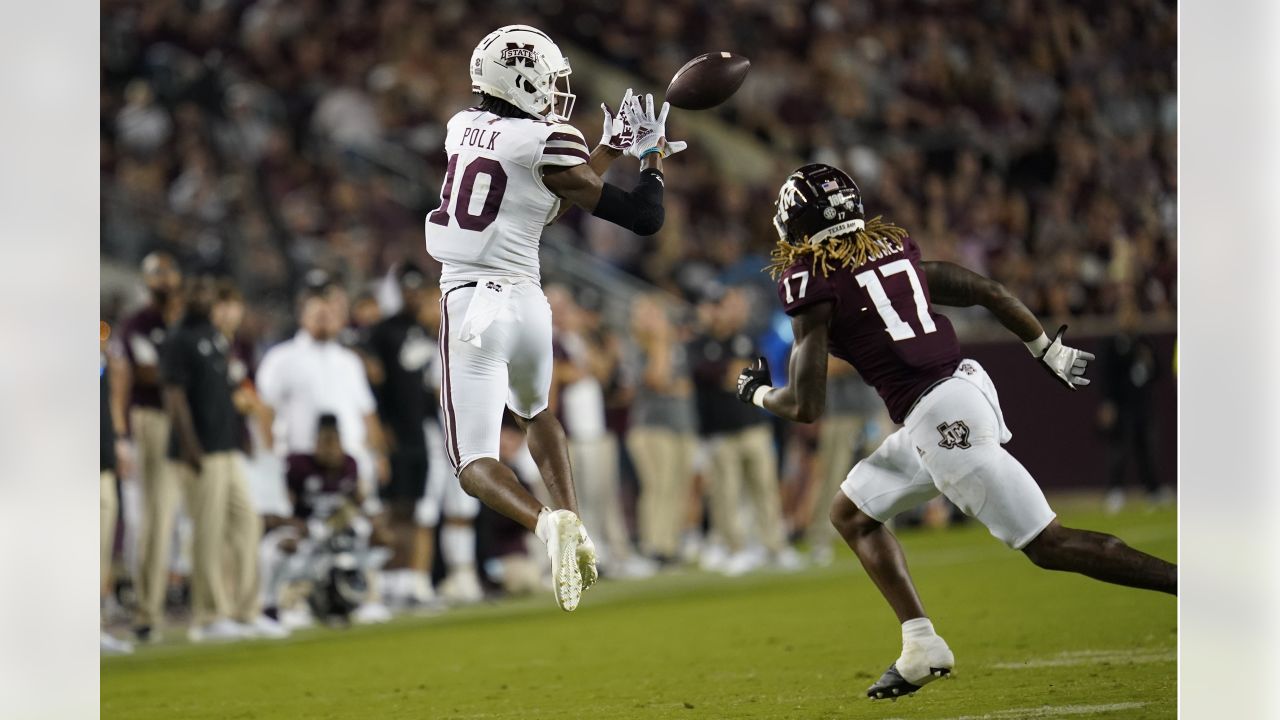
x=291, y=148
x=1034, y=141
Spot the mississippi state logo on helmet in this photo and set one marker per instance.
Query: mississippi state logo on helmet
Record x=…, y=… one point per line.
x=521, y=65
x=816, y=202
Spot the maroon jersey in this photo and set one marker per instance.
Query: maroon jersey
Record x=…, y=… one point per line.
x=882, y=323
x=144, y=335
x=318, y=491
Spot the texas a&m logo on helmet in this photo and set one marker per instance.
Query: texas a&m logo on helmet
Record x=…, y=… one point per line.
x=817, y=201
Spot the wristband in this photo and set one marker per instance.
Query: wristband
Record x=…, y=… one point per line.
x=757, y=398
x=646, y=153
x=1039, y=345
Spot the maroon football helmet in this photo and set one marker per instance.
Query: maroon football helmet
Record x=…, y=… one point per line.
x=816, y=202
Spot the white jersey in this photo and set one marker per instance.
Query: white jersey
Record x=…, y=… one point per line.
x=493, y=205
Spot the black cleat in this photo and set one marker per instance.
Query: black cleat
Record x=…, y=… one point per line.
x=892, y=685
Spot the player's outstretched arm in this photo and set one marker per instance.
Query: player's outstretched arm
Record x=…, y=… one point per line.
x=955, y=286
x=639, y=210
x=615, y=138
x=805, y=397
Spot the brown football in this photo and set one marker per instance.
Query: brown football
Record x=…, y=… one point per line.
x=707, y=80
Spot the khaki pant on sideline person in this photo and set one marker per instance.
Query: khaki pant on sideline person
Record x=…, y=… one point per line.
x=227, y=532
x=161, y=493
x=746, y=457
x=838, y=440
x=107, y=525
x=840, y=445
x=664, y=462
x=596, y=482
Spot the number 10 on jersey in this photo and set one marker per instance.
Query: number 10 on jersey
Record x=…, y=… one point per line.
x=497, y=185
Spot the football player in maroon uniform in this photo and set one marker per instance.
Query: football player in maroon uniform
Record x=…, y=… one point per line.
x=858, y=289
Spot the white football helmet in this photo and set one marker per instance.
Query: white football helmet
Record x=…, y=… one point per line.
x=521, y=65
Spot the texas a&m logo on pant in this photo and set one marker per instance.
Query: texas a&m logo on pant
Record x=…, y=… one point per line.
x=954, y=435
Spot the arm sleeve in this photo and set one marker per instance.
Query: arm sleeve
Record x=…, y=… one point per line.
x=801, y=287
x=640, y=210
x=563, y=146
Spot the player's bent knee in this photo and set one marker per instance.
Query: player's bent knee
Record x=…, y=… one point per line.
x=469, y=477
x=849, y=520
x=1045, y=550
x=544, y=416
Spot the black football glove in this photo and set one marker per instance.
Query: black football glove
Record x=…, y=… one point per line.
x=1067, y=364
x=752, y=378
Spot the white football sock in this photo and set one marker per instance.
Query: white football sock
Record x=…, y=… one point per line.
x=917, y=629
x=543, y=528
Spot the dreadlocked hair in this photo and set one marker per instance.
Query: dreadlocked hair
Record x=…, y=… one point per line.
x=850, y=250
x=501, y=107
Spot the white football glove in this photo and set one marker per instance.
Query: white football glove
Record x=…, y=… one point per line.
x=649, y=131
x=616, y=132
x=1068, y=364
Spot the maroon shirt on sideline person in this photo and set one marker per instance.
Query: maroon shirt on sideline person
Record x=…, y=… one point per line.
x=899, y=369
x=317, y=491
x=144, y=329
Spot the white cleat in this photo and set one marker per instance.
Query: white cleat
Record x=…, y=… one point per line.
x=743, y=562
x=923, y=661
x=561, y=530
x=371, y=613
x=788, y=560
x=1114, y=502
x=461, y=587
x=587, y=559
x=223, y=630
x=297, y=618
x=713, y=558
x=634, y=567
x=822, y=555
x=265, y=627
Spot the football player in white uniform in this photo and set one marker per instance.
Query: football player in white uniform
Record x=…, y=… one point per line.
x=514, y=165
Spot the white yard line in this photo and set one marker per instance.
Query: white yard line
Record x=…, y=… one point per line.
x=1092, y=657
x=1047, y=711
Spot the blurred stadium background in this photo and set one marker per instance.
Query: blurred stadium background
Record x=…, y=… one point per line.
x=272, y=142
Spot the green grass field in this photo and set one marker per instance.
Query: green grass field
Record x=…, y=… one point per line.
x=1028, y=644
